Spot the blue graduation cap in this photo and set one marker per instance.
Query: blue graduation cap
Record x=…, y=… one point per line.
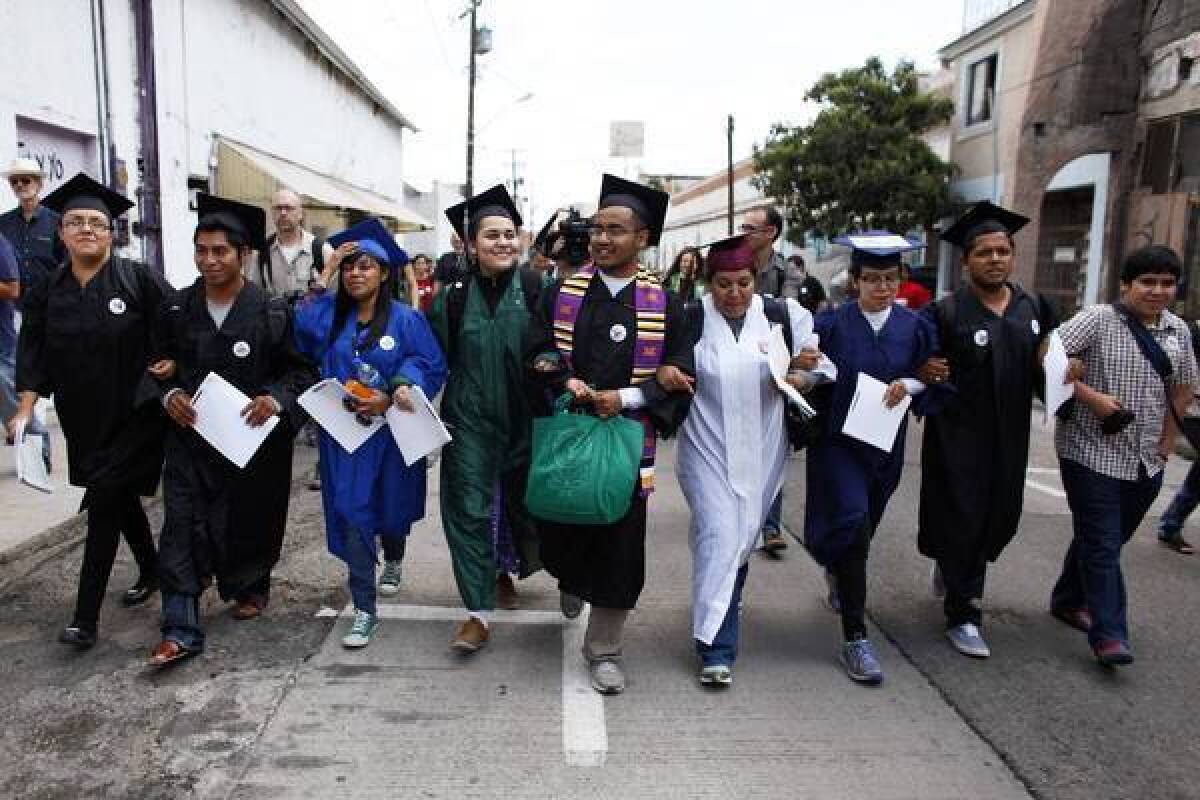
x=877, y=249
x=375, y=240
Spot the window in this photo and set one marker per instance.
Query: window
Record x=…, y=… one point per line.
x=981, y=89
x=1156, y=161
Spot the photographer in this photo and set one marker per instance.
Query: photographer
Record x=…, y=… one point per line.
x=566, y=242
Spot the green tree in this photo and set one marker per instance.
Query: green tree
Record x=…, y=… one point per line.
x=861, y=164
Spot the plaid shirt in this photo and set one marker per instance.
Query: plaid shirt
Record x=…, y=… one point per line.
x=1117, y=367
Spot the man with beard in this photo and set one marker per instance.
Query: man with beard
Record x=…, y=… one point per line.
x=220, y=520
x=615, y=339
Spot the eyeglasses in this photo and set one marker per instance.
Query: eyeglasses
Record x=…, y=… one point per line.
x=87, y=223
x=20, y=180
x=611, y=231
x=746, y=227
x=875, y=279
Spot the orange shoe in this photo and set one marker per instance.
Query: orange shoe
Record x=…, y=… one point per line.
x=471, y=637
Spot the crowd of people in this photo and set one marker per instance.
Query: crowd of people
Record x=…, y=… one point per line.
x=588, y=326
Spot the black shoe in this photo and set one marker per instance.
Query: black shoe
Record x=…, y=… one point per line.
x=139, y=593
x=81, y=638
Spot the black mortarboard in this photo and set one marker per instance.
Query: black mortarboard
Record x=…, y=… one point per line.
x=650, y=205
x=376, y=240
x=876, y=249
x=250, y=221
x=495, y=202
x=983, y=218
x=730, y=255
x=83, y=192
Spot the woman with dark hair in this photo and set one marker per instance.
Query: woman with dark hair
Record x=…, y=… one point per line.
x=359, y=333
x=481, y=321
x=685, y=277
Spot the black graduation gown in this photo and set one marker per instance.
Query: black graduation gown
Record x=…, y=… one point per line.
x=605, y=564
x=220, y=520
x=976, y=447
x=89, y=346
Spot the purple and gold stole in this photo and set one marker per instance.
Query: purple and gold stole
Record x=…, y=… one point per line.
x=650, y=305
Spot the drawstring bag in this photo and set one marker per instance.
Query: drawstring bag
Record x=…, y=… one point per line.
x=583, y=468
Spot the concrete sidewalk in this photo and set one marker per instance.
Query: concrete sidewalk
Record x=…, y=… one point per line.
x=407, y=718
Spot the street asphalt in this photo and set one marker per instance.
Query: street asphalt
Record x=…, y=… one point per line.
x=277, y=708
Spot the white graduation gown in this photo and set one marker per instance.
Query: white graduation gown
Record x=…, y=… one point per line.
x=731, y=453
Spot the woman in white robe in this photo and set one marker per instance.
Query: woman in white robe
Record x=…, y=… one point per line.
x=733, y=445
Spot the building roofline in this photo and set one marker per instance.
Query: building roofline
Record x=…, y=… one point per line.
x=995, y=26
x=711, y=182
x=292, y=11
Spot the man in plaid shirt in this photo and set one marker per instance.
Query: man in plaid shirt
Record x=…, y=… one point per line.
x=1114, y=445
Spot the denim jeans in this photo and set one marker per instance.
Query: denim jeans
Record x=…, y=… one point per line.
x=360, y=562
x=723, y=650
x=181, y=620
x=1105, y=512
x=774, y=521
x=1171, y=523
x=9, y=402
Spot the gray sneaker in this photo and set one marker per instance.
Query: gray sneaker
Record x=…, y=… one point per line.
x=607, y=677
x=361, y=631
x=389, y=581
x=858, y=657
x=571, y=605
x=717, y=675
x=967, y=640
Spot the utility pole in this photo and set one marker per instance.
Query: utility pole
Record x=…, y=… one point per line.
x=729, y=163
x=470, y=185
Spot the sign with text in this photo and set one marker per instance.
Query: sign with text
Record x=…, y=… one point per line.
x=60, y=152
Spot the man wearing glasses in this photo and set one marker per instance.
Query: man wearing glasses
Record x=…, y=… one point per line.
x=761, y=227
x=31, y=228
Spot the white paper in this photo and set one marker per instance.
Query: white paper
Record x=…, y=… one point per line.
x=31, y=467
x=779, y=359
x=869, y=420
x=1055, y=367
x=218, y=404
x=323, y=402
x=417, y=433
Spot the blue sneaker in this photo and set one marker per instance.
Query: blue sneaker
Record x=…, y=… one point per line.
x=361, y=631
x=861, y=665
x=967, y=640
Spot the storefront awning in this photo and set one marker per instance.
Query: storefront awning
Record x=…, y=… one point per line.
x=328, y=192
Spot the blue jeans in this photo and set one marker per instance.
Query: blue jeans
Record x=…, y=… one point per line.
x=723, y=650
x=181, y=620
x=1105, y=512
x=9, y=402
x=775, y=514
x=361, y=560
x=1170, y=525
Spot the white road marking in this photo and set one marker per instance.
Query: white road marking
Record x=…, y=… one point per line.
x=1041, y=487
x=585, y=734
x=1043, y=470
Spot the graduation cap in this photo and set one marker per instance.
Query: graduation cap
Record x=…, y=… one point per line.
x=494, y=202
x=876, y=249
x=375, y=240
x=230, y=215
x=649, y=205
x=730, y=255
x=983, y=218
x=83, y=192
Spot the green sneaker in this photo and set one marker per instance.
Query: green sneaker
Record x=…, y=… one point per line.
x=389, y=581
x=361, y=631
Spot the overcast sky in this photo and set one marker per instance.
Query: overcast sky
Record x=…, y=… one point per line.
x=678, y=65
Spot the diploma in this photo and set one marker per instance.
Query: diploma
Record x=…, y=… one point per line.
x=219, y=421
x=869, y=419
x=323, y=402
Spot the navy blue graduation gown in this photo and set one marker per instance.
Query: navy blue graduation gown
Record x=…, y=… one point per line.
x=371, y=491
x=848, y=482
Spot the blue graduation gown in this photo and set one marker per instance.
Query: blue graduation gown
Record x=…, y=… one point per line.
x=848, y=482
x=371, y=491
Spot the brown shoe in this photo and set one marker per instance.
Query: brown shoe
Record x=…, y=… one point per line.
x=506, y=592
x=249, y=608
x=471, y=636
x=773, y=542
x=168, y=652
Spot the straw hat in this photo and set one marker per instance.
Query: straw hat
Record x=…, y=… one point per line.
x=24, y=166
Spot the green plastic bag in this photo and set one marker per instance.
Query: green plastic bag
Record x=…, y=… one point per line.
x=583, y=468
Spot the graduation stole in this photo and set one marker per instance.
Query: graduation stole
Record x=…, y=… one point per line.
x=650, y=305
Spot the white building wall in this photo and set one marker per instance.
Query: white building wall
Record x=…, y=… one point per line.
x=238, y=69
x=431, y=206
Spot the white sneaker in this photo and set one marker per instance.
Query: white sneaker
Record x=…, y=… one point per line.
x=607, y=677
x=967, y=640
x=937, y=587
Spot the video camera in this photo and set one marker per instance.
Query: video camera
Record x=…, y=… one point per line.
x=575, y=231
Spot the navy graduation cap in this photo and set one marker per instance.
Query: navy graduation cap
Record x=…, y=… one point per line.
x=877, y=249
